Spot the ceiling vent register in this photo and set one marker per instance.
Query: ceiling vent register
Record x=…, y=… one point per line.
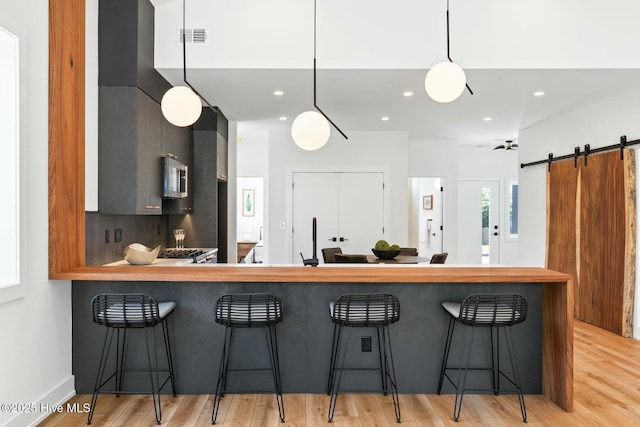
x=192, y=35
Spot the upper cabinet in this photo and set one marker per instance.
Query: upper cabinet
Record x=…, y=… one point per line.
x=125, y=47
x=129, y=151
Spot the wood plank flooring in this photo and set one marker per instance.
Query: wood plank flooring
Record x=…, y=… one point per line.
x=607, y=393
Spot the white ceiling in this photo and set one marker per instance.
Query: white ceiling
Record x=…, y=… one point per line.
x=357, y=99
x=246, y=59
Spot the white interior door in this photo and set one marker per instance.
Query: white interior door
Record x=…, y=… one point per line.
x=360, y=211
x=478, y=222
x=314, y=195
x=348, y=207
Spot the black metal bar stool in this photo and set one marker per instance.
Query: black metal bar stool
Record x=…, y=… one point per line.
x=254, y=310
x=364, y=310
x=494, y=311
x=120, y=312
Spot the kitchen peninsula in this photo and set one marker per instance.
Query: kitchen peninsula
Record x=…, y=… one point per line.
x=544, y=341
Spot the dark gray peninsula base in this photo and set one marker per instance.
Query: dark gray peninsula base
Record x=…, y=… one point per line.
x=304, y=336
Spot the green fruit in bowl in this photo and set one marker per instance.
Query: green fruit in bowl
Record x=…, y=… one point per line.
x=394, y=248
x=382, y=245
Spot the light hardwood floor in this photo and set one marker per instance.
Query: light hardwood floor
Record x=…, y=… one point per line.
x=607, y=393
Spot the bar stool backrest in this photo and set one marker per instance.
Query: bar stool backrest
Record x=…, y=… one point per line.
x=248, y=310
x=366, y=310
x=493, y=310
x=125, y=310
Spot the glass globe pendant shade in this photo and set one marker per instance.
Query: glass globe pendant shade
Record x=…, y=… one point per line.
x=445, y=82
x=310, y=130
x=181, y=106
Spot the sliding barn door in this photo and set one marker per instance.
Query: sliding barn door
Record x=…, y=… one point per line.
x=591, y=235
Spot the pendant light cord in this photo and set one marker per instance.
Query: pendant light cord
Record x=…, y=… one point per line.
x=184, y=55
x=448, y=50
x=314, y=73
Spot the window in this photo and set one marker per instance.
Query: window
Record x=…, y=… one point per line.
x=9, y=138
x=512, y=214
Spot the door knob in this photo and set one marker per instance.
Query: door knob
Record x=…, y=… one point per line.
x=332, y=239
x=496, y=233
x=342, y=239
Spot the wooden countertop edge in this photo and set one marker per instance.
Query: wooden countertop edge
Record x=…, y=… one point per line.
x=293, y=274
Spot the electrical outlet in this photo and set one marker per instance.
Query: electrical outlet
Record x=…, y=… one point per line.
x=365, y=344
x=117, y=235
x=107, y=236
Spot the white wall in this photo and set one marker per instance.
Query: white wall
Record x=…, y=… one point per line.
x=91, y=107
x=380, y=151
x=35, y=331
x=410, y=34
x=598, y=124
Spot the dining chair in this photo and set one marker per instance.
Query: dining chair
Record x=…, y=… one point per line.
x=328, y=254
x=409, y=251
x=351, y=258
x=438, y=258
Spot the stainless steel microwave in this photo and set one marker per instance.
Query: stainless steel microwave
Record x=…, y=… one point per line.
x=175, y=179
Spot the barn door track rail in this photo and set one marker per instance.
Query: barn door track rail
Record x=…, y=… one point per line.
x=586, y=153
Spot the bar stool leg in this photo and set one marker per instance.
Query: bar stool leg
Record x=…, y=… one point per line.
x=155, y=393
x=272, y=344
x=462, y=384
x=514, y=367
x=167, y=346
x=337, y=334
x=106, y=346
x=120, y=357
x=391, y=374
x=445, y=354
x=332, y=362
x=336, y=385
x=222, y=373
x=495, y=361
x=383, y=363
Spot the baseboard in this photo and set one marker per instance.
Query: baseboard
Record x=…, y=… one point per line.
x=46, y=404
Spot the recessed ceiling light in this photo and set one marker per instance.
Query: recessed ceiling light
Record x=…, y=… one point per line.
x=384, y=119
x=278, y=92
x=487, y=119
x=283, y=118
x=407, y=94
x=538, y=93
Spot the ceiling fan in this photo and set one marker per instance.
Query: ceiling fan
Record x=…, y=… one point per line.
x=508, y=145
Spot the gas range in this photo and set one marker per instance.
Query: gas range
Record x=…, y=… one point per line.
x=198, y=255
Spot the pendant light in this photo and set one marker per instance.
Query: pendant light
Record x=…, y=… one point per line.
x=310, y=130
x=446, y=81
x=181, y=105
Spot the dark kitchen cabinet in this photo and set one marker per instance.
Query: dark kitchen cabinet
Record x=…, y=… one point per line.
x=129, y=151
x=125, y=46
x=177, y=142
